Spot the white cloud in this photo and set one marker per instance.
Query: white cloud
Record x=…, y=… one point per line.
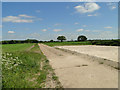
x=37, y=11
x=16, y=19
x=57, y=24
x=33, y=35
x=67, y=7
x=11, y=32
x=87, y=7
x=112, y=6
x=84, y=25
x=108, y=27
x=87, y=30
x=96, y=31
x=59, y=35
x=38, y=19
x=26, y=29
x=44, y=30
x=25, y=16
x=108, y=35
x=57, y=30
x=92, y=15
x=76, y=23
x=1, y=26
x=83, y=0
x=79, y=30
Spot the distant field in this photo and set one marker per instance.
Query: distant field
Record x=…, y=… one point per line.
x=15, y=47
x=67, y=43
x=24, y=67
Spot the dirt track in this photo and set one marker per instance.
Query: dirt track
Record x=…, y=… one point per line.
x=78, y=71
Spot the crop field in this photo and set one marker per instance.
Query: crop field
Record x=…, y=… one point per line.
x=25, y=66
x=15, y=47
x=67, y=43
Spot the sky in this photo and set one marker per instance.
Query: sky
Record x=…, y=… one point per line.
x=48, y=20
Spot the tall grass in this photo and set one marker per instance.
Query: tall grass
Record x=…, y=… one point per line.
x=21, y=68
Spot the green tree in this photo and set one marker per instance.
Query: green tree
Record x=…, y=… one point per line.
x=82, y=38
x=51, y=40
x=61, y=38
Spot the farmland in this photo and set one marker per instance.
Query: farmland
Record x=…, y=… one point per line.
x=25, y=66
x=55, y=44
x=15, y=47
x=33, y=65
x=67, y=43
x=89, y=42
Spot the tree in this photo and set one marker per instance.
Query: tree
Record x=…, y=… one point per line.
x=27, y=41
x=82, y=38
x=51, y=40
x=12, y=42
x=61, y=38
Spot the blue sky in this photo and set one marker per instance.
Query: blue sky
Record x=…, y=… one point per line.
x=48, y=20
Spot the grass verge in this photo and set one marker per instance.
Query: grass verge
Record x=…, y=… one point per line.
x=25, y=69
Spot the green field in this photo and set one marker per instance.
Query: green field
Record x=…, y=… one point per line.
x=21, y=67
x=15, y=47
x=67, y=43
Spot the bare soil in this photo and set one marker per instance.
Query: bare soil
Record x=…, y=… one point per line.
x=108, y=52
x=77, y=71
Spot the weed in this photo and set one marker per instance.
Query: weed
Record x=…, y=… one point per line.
x=77, y=66
x=54, y=77
x=84, y=65
x=101, y=63
x=47, y=61
x=42, y=77
x=117, y=68
x=105, y=59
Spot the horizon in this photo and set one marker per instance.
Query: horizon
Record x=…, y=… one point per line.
x=47, y=20
x=55, y=40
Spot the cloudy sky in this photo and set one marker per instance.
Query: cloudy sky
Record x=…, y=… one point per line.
x=47, y=20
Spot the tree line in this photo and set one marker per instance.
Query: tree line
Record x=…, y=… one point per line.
x=81, y=38
x=59, y=38
x=94, y=42
x=19, y=41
